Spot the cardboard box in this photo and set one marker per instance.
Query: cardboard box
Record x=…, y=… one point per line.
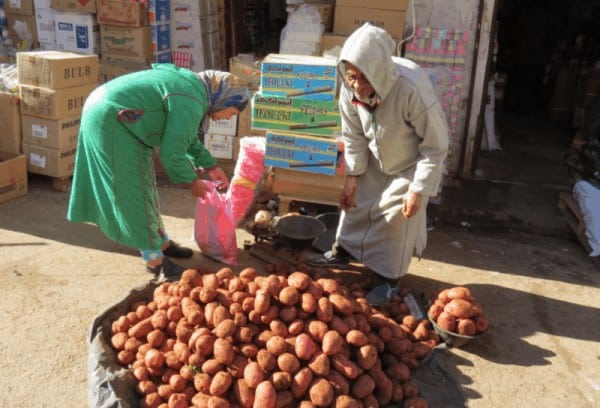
x=400, y=5
x=110, y=70
x=300, y=152
x=19, y=19
x=51, y=133
x=326, y=11
x=308, y=77
x=23, y=7
x=57, y=69
x=77, y=32
x=306, y=116
x=159, y=11
x=13, y=176
x=126, y=41
x=309, y=187
x=45, y=24
x=219, y=146
x=10, y=118
x=246, y=68
x=122, y=13
x=330, y=41
x=223, y=126
x=161, y=37
x=79, y=6
x=53, y=103
x=50, y=162
x=348, y=19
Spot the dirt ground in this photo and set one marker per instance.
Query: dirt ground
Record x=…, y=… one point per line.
x=541, y=294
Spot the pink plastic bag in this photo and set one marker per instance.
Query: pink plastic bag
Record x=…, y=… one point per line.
x=214, y=228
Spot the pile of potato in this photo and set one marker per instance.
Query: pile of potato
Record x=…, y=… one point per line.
x=221, y=340
x=456, y=310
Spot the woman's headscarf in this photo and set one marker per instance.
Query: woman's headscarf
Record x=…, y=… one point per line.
x=224, y=90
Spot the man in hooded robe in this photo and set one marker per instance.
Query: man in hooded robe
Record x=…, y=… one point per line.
x=395, y=142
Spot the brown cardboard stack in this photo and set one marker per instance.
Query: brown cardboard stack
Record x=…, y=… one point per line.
x=20, y=15
x=132, y=35
x=53, y=87
x=195, y=34
x=351, y=14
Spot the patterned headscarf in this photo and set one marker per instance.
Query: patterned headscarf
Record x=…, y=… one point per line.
x=224, y=90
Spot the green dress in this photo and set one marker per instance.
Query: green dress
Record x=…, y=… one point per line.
x=114, y=183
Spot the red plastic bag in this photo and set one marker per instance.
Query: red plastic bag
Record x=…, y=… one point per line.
x=214, y=228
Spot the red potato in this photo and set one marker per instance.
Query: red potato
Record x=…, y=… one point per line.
x=118, y=340
x=362, y=386
x=266, y=360
x=332, y=343
x=357, y=338
x=308, y=303
x=320, y=364
x=340, y=384
x=482, y=323
x=265, y=395
x=299, y=280
x=262, y=301
x=460, y=308
x=289, y=296
x=459, y=292
x=341, y=304
x=154, y=358
x=243, y=393
x=447, y=321
x=301, y=382
x=277, y=345
x=366, y=356
x=220, y=383
x=253, y=374
x=466, y=327
x=324, y=310
x=281, y=380
x=339, y=325
x=317, y=329
x=288, y=363
x=321, y=393
x=223, y=351
x=345, y=366
x=225, y=328
x=305, y=347
x=296, y=327
x=141, y=328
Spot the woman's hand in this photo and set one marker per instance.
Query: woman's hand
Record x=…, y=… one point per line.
x=199, y=189
x=217, y=175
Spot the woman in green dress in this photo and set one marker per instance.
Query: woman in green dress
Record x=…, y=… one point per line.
x=123, y=121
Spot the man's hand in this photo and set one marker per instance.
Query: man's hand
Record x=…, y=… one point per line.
x=411, y=204
x=348, y=193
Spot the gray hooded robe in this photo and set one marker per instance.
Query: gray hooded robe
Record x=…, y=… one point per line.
x=398, y=148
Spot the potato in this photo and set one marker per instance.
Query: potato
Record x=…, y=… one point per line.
x=340, y=384
x=247, y=274
x=288, y=313
x=223, y=351
x=341, y=304
x=278, y=328
x=458, y=292
x=141, y=328
x=281, y=380
x=321, y=393
x=125, y=357
x=236, y=368
x=154, y=358
x=177, y=383
x=383, y=391
x=225, y=328
x=362, y=386
x=339, y=325
x=253, y=374
x=305, y=347
x=320, y=364
x=220, y=313
x=296, y=327
x=220, y=383
x=308, y=303
x=277, y=345
x=459, y=308
x=324, y=310
x=210, y=281
x=366, y=356
x=289, y=296
x=266, y=360
x=218, y=402
x=265, y=395
x=317, y=329
x=434, y=311
x=243, y=393
x=357, y=338
x=262, y=301
x=301, y=382
x=145, y=387
x=447, y=321
x=332, y=343
x=118, y=340
x=285, y=399
x=410, y=390
x=192, y=311
x=288, y=363
x=399, y=372
x=345, y=401
x=466, y=327
x=482, y=323
x=299, y=280
x=421, y=331
x=248, y=350
x=329, y=285
x=345, y=366
x=211, y=366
